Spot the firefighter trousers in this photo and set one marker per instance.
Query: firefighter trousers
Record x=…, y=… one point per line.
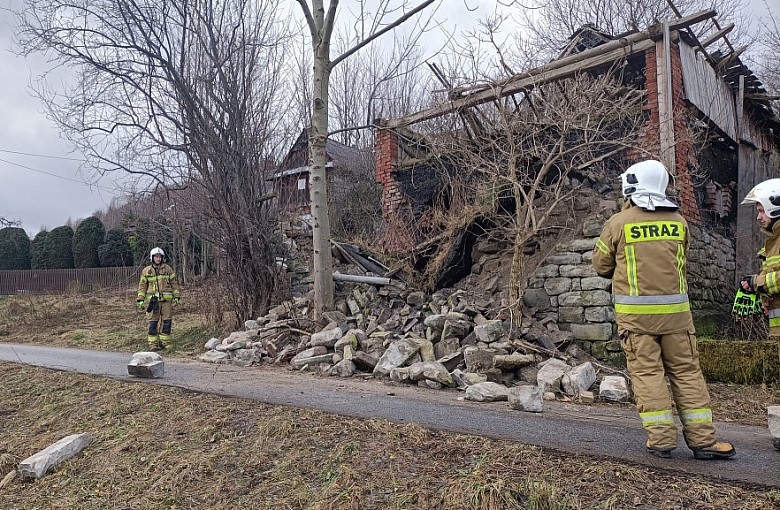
x=676, y=356
x=160, y=322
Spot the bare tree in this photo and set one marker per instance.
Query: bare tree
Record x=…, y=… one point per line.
x=8, y=223
x=321, y=24
x=768, y=44
x=550, y=23
x=518, y=163
x=182, y=93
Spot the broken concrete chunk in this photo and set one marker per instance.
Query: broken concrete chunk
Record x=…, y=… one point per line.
x=550, y=375
x=212, y=344
x=397, y=354
x=579, y=379
x=773, y=414
x=146, y=364
x=344, y=368
x=431, y=371
x=513, y=361
x=526, y=398
x=489, y=331
x=587, y=397
x=214, y=357
x=39, y=464
x=614, y=388
x=327, y=337
x=465, y=379
x=487, y=392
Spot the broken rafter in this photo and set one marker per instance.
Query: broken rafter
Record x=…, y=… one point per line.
x=717, y=35
x=555, y=70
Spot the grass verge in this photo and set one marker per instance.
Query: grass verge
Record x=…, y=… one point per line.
x=163, y=448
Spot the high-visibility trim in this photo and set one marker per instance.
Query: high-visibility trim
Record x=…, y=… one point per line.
x=701, y=415
x=662, y=299
x=633, y=286
x=771, y=283
x=652, y=305
x=654, y=231
x=602, y=247
x=770, y=261
x=681, y=268
x=774, y=317
x=761, y=252
x=151, y=340
x=656, y=418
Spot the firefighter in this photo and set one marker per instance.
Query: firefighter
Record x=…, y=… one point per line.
x=643, y=250
x=766, y=197
x=158, y=292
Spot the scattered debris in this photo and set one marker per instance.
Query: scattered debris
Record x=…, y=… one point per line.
x=146, y=364
x=37, y=465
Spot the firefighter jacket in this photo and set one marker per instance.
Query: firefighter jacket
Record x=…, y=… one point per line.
x=768, y=280
x=158, y=281
x=644, y=252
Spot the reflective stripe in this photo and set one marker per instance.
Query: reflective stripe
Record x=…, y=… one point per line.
x=761, y=252
x=774, y=322
x=663, y=299
x=652, y=305
x=771, y=283
x=774, y=313
x=681, y=267
x=701, y=415
x=602, y=247
x=633, y=287
x=654, y=309
x=655, y=418
x=770, y=261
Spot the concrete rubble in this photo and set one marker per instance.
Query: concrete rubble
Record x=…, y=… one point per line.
x=37, y=465
x=453, y=338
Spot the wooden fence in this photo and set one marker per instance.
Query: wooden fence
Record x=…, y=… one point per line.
x=62, y=281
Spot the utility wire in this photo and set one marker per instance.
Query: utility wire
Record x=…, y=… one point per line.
x=40, y=155
x=113, y=190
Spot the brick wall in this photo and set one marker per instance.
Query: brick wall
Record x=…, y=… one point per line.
x=684, y=153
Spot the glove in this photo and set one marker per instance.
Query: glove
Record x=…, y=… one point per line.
x=748, y=284
x=139, y=303
x=175, y=301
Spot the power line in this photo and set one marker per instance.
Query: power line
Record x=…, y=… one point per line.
x=40, y=155
x=113, y=190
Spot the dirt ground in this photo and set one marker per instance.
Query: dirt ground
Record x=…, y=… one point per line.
x=159, y=447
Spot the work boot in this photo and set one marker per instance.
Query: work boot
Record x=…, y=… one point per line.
x=776, y=443
x=663, y=453
x=719, y=450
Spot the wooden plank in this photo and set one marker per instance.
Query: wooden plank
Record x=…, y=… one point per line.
x=665, y=110
x=558, y=69
x=717, y=35
x=708, y=91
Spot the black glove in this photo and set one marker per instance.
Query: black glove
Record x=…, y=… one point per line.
x=748, y=284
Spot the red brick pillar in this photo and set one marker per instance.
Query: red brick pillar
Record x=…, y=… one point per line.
x=685, y=156
x=397, y=237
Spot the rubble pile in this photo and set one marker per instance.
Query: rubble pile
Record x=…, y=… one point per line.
x=450, y=339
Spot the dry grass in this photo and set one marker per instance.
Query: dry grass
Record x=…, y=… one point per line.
x=103, y=322
x=163, y=448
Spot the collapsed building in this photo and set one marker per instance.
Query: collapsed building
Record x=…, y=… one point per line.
x=704, y=114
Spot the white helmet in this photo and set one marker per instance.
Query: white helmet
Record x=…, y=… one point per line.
x=767, y=194
x=645, y=183
x=156, y=251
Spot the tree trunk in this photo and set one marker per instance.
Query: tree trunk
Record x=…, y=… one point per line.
x=318, y=182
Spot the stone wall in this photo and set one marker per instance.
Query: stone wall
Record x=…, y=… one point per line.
x=565, y=288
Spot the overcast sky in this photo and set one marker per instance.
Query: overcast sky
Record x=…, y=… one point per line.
x=46, y=191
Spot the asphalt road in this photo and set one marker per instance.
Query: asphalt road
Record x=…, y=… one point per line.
x=600, y=431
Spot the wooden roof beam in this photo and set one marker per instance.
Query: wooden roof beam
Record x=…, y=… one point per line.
x=717, y=35
x=555, y=70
